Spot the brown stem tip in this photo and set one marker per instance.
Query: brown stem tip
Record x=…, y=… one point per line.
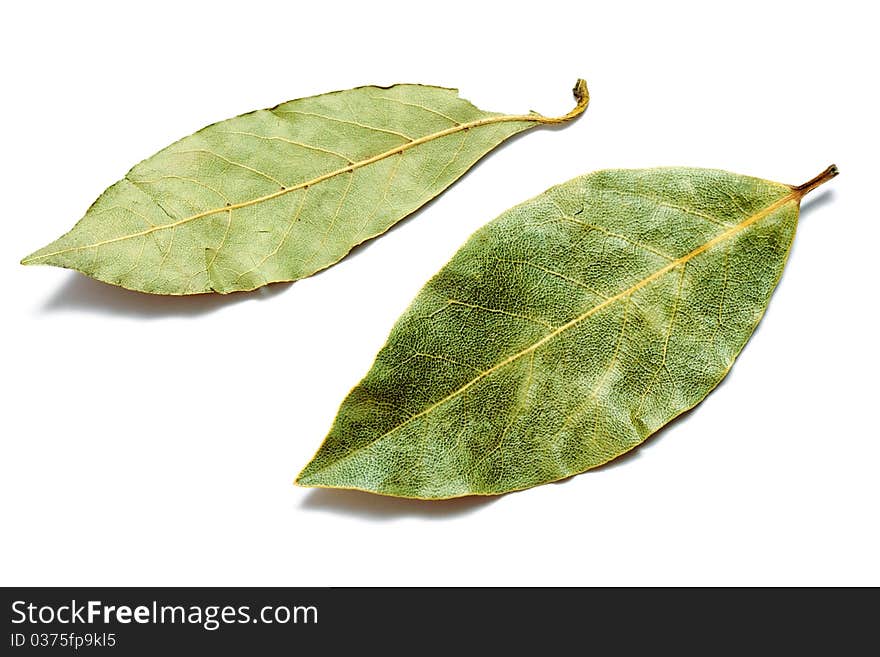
x=581, y=94
x=821, y=179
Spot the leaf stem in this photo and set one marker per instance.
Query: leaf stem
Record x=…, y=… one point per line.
x=813, y=183
x=581, y=95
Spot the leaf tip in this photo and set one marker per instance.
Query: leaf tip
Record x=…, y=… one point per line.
x=312, y=477
x=305, y=482
x=305, y=479
x=30, y=259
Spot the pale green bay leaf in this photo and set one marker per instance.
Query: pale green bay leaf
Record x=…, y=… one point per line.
x=564, y=333
x=281, y=193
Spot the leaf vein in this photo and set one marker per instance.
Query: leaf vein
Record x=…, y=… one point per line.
x=456, y=302
x=293, y=143
x=666, y=204
x=347, y=121
x=205, y=151
x=416, y=105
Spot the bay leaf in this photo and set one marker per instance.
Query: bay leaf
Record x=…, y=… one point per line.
x=281, y=193
x=564, y=333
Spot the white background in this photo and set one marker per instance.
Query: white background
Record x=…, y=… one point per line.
x=154, y=441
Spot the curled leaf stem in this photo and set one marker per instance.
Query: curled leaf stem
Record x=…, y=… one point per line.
x=581, y=95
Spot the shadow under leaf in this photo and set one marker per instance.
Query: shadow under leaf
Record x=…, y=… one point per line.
x=84, y=294
x=816, y=202
x=369, y=506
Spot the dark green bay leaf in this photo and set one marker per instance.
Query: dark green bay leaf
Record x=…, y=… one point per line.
x=281, y=193
x=564, y=333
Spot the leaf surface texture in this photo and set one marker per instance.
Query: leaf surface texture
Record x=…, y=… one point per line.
x=564, y=333
x=278, y=194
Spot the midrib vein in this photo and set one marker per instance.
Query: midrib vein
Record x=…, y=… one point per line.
x=722, y=237
x=532, y=118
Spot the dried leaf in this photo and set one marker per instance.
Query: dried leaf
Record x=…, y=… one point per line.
x=279, y=194
x=564, y=333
